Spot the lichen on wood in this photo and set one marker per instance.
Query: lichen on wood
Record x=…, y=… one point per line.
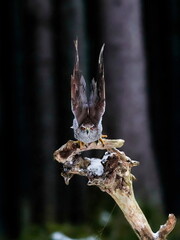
x=112, y=174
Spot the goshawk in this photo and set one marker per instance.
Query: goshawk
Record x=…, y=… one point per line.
x=88, y=111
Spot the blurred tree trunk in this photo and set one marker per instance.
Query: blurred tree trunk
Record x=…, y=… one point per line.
x=68, y=25
x=43, y=113
x=53, y=49
x=126, y=90
x=163, y=57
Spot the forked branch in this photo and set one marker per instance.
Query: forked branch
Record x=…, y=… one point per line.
x=111, y=174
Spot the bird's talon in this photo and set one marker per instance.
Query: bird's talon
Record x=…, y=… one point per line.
x=101, y=140
x=104, y=136
x=76, y=142
x=81, y=144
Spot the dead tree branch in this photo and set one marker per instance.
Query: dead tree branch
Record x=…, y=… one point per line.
x=112, y=174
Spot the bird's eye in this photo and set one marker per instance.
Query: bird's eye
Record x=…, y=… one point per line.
x=82, y=128
x=92, y=128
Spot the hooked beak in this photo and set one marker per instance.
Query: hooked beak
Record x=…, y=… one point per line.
x=87, y=130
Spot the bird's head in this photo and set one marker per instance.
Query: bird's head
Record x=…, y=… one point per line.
x=87, y=132
x=87, y=128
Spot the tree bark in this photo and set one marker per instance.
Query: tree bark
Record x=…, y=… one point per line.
x=125, y=75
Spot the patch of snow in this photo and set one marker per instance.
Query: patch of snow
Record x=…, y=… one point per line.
x=96, y=168
x=60, y=236
x=105, y=157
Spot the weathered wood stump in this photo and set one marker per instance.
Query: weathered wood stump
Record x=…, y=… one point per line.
x=112, y=174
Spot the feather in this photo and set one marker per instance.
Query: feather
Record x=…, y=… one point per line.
x=97, y=96
x=79, y=104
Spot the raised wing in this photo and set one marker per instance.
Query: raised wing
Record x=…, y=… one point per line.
x=79, y=104
x=97, y=97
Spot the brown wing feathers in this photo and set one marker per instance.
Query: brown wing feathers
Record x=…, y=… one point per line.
x=97, y=97
x=81, y=107
x=79, y=103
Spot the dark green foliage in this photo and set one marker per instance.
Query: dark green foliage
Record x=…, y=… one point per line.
x=114, y=226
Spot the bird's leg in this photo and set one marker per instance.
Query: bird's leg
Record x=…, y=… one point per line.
x=81, y=144
x=101, y=139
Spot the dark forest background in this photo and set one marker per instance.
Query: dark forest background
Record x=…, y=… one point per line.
x=142, y=72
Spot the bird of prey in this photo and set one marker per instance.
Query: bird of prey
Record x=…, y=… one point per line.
x=88, y=111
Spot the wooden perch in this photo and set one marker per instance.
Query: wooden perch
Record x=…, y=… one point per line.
x=111, y=174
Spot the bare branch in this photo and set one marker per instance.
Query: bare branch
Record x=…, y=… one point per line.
x=71, y=148
x=112, y=174
x=166, y=228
